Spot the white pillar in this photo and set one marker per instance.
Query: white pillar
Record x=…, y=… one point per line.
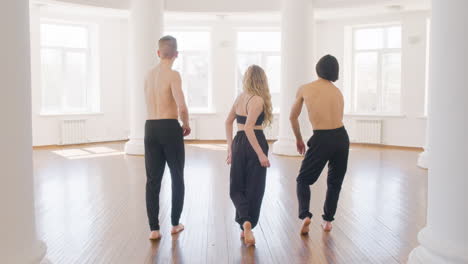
x=445, y=237
x=18, y=240
x=146, y=26
x=296, y=61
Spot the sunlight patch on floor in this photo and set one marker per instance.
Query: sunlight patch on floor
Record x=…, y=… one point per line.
x=100, y=150
x=87, y=153
x=66, y=153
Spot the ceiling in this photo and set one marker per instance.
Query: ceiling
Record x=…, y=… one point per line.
x=325, y=8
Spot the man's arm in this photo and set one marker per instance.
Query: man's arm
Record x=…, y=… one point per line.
x=176, y=87
x=294, y=118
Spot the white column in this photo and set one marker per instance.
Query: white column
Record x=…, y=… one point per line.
x=445, y=237
x=146, y=26
x=296, y=61
x=18, y=240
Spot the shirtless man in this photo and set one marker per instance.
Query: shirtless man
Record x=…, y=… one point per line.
x=164, y=137
x=329, y=143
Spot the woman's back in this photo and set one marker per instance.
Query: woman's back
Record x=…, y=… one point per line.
x=242, y=110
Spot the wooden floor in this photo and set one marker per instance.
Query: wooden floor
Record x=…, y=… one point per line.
x=90, y=208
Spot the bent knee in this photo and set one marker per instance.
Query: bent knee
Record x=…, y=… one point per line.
x=233, y=194
x=334, y=186
x=302, y=180
x=153, y=182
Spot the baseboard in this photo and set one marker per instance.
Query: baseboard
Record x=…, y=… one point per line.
x=387, y=146
x=200, y=141
x=220, y=141
x=79, y=145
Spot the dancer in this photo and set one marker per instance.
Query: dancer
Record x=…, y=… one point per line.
x=164, y=140
x=248, y=152
x=329, y=143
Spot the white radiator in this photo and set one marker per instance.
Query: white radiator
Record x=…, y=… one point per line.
x=367, y=131
x=271, y=132
x=193, y=126
x=73, y=132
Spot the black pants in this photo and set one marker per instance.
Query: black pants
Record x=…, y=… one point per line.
x=248, y=178
x=164, y=142
x=330, y=146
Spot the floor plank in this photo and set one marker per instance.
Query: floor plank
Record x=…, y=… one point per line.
x=90, y=208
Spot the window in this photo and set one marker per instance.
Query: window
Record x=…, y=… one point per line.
x=428, y=61
x=376, y=70
x=66, y=69
x=193, y=64
x=263, y=49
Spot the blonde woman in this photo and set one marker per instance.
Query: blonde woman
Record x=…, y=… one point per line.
x=248, y=152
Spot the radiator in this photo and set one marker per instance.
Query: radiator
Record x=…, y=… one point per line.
x=367, y=131
x=193, y=126
x=73, y=132
x=271, y=132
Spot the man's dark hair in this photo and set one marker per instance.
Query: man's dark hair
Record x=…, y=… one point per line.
x=328, y=68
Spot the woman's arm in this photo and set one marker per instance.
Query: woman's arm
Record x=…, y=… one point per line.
x=229, y=127
x=254, y=109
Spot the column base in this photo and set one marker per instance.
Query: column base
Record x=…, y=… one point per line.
x=434, y=251
x=286, y=147
x=35, y=254
x=39, y=252
x=423, y=160
x=136, y=146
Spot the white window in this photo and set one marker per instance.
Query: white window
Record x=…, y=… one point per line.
x=193, y=64
x=264, y=50
x=428, y=61
x=376, y=70
x=67, y=69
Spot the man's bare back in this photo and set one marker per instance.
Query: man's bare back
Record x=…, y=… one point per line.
x=329, y=143
x=325, y=104
x=164, y=142
x=160, y=102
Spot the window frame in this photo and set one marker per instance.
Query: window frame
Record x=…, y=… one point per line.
x=427, y=67
x=63, y=109
x=381, y=52
x=208, y=52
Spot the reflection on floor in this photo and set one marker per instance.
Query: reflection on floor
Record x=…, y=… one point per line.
x=90, y=208
x=86, y=153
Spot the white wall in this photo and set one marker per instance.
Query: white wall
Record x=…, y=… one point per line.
x=409, y=128
x=222, y=5
x=192, y=5
x=228, y=6
x=112, y=122
x=210, y=126
x=118, y=4
x=405, y=130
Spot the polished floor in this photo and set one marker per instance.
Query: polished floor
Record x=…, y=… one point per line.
x=90, y=208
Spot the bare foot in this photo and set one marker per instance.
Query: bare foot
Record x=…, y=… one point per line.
x=242, y=234
x=327, y=226
x=305, y=226
x=155, y=235
x=176, y=229
x=249, y=238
